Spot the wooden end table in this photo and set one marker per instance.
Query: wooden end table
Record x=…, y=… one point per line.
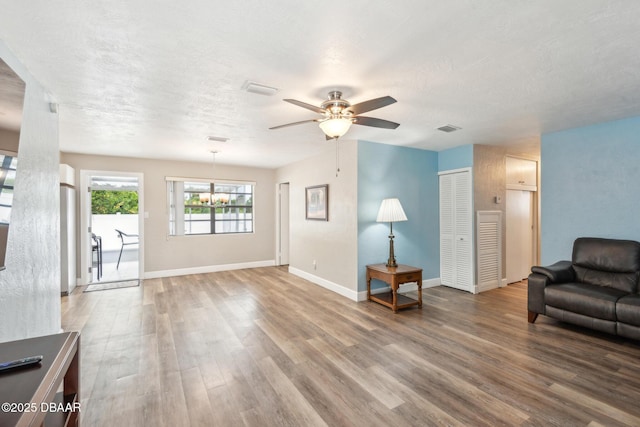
x=31, y=393
x=394, y=277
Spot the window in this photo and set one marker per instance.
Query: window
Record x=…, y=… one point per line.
x=204, y=207
x=7, y=179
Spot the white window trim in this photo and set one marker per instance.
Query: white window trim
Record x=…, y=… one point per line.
x=180, y=212
x=210, y=180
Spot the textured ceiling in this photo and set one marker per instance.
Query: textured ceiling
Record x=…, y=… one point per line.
x=155, y=78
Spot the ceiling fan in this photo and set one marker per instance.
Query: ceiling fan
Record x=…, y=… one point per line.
x=339, y=114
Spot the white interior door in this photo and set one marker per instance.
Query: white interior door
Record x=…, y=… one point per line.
x=519, y=239
x=447, y=231
x=456, y=230
x=283, y=250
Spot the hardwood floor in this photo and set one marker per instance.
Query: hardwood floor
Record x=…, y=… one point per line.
x=262, y=347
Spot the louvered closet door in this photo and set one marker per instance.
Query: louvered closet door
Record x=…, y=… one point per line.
x=489, y=249
x=456, y=231
x=447, y=231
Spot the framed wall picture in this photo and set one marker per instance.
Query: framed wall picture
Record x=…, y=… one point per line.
x=317, y=202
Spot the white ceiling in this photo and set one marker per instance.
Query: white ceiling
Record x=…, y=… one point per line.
x=155, y=78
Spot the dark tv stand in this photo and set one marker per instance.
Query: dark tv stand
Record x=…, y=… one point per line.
x=33, y=392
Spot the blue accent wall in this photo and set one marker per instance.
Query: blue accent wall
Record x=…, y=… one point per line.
x=455, y=158
x=590, y=186
x=411, y=175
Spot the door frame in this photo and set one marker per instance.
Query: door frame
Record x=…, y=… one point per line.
x=535, y=211
x=85, y=214
x=283, y=216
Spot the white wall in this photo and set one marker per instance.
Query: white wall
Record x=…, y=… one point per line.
x=332, y=244
x=30, y=286
x=105, y=226
x=166, y=256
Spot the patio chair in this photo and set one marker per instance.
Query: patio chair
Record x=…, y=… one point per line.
x=126, y=239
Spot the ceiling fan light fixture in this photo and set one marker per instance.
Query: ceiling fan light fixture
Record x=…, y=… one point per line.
x=335, y=127
x=338, y=114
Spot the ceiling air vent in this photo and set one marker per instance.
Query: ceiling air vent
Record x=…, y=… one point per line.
x=258, y=88
x=449, y=128
x=218, y=139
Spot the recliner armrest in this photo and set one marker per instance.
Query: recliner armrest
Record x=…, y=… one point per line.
x=560, y=272
x=535, y=293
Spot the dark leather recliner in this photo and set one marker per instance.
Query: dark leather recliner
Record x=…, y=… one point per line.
x=597, y=289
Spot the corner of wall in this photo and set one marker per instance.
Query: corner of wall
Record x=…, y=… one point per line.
x=30, y=300
x=411, y=175
x=456, y=158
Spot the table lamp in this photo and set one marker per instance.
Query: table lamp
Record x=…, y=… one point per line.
x=391, y=211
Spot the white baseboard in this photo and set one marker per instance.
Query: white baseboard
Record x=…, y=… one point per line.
x=483, y=288
x=207, y=269
x=327, y=284
x=475, y=289
x=339, y=289
x=486, y=287
x=404, y=288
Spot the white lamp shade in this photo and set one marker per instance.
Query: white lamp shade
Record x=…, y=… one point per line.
x=335, y=128
x=391, y=211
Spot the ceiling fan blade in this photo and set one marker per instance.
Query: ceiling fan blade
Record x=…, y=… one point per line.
x=305, y=105
x=376, y=123
x=295, y=123
x=372, y=104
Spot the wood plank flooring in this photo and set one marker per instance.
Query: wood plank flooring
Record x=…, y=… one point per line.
x=262, y=347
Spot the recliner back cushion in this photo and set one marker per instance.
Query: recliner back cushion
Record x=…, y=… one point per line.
x=607, y=262
x=627, y=282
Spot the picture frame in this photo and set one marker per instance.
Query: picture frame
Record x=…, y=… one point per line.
x=317, y=202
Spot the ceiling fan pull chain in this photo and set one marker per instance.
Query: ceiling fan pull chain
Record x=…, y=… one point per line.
x=337, y=159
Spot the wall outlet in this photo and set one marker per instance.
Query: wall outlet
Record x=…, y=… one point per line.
x=315, y=265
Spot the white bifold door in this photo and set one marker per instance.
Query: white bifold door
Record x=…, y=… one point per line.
x=456, y=230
